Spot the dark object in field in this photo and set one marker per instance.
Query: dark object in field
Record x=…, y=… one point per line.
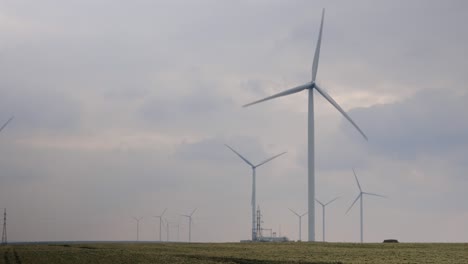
x=390, y=241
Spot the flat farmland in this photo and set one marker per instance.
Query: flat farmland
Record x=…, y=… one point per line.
x=235, y=253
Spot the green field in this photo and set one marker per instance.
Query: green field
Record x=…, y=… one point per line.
x=236, y=253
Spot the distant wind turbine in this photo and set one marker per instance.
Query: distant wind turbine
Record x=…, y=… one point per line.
x=190, y=224
x=178, y=229
x=360, y=197
x=160, y=223
x=300, y=221
x=167, y=230
x=138, y=226
x=172, y=224
x=323, y=215
x=311, y=86
x=253, y=202
x=6, y=123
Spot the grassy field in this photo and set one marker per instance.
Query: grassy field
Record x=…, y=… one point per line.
x=235, y=253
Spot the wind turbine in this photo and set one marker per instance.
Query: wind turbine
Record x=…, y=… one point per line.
x=6, y=123
x=178, y=229
x=311, y=86
x=138, y=226
x=254, y=199
x=172, y=224
x=160, y=223
x=361, y=193
x=300, y=221
x=190, y=224
x=323, y=215
x=167, y=230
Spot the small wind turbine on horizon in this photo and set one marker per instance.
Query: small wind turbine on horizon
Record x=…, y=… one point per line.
x=6, y=123
x=167, y=229
x=360, y=197
x=254, y=198
x=173, y=225
x=138, y=226
x=300, y=221
x=190, y=224
x=311, y=86
x=323, y=215
x=160, y=223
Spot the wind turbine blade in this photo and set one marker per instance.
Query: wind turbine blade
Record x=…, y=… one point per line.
x=332, y=201
x=240, y=156
x=6, y=123
x=274, y=157
x=185, y=215
x=359, y=185
x=284, y=93
x=304, y=214
x=338, y=107
x=293, y=211
x=163, y=212
x=374, y=194
x=317, y=49
x=193, y=211
x=353, y=203
x=319, y=202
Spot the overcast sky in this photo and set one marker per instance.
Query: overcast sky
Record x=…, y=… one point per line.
x=122, y=109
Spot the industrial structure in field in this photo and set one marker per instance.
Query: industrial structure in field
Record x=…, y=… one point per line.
x=265, y=234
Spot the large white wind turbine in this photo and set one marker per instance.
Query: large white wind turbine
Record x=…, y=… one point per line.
x=190, y=224
x=311, y=86
x=160, y=223
x=300, y=221
x=360, y=195
x=323, y=215
x=254, y=199
x=138, y=226
x=6, y=123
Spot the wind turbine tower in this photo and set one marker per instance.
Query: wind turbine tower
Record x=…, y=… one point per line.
x=178, y=229
x=190, y=224
x=300, y=221
x=138, y=226
x=360, y=197
x=167, y=230
x=160, y=224
x=4, y=233
x=173, y=225
x=323, y=215
x=253, y=202
x=311, y=86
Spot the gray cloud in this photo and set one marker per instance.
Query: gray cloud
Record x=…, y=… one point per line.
x=431, y=122
x=122, y=109
x=210, y=149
